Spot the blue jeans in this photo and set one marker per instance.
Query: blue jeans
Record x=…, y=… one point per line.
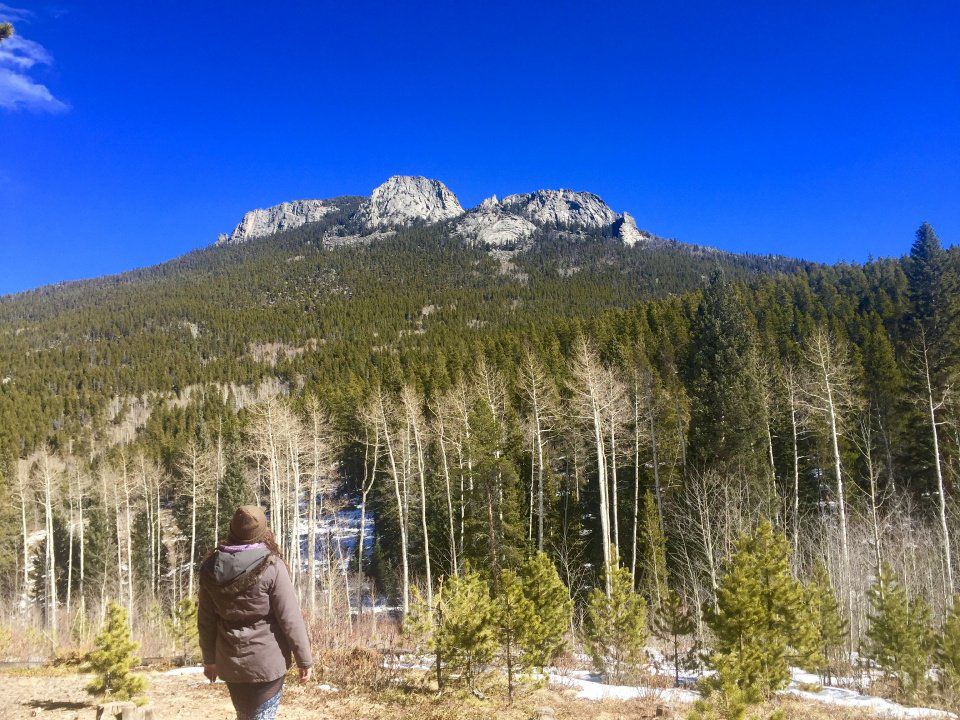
x=267, y=711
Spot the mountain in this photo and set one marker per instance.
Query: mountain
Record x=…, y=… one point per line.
x=405, y=200
x=286, y=216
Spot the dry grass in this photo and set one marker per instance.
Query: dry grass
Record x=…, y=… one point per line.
x=57, y=693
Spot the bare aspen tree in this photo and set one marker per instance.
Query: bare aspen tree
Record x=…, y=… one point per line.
x=591, y=396
x=25, y=498
x=411, y=407
x=48, y=469
x=933, y=406
x=385, y=413
x=864, y=441
x=792, y=386
x=543, y=402
x=371, y=457
x=443, y=413
x=616, y=412
x=764, y=376
x=828, y=394
x=191, y=467
x=320, y=463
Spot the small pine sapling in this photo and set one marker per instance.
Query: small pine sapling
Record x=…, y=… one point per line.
x=828, y=620
x=672, y=624
x=113, y=658
x=948, y=655
x=544, y=640
x=899, y=639
x=515, y=621
x=616, y=626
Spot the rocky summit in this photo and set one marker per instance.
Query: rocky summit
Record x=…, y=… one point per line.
x=403, y=200
x=561, y=207
x=285, y=216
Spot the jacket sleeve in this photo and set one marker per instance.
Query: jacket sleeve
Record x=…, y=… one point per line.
x=286, y=610
x=207, y=627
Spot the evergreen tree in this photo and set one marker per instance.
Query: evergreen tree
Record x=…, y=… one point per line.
x=948, y=654
x=761, y=622
x=514, y=615
x=672, y=623
x=654, y=555
x=616, y=626
x=183, y=628
x=459, y=628
x=545, y=639
x=899, y=639
x=828, y=620
x=932, y=287
x=113, y=658
x=725, y=429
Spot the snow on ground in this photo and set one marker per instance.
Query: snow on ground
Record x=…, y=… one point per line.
x=853, y=699
x=589, y=687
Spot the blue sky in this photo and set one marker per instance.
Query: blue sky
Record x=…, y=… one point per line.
x=131, y=132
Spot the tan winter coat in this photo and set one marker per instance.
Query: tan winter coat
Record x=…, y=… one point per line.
x=248, y=618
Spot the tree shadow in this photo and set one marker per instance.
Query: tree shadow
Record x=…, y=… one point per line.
x=56, y=705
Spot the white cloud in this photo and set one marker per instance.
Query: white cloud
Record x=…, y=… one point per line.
x=12, y=14
x=18, y=55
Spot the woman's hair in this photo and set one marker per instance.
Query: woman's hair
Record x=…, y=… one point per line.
x=269, y=540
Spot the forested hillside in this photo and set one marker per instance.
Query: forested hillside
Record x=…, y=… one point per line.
x=636, y=408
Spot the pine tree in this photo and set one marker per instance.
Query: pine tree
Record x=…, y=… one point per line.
x=726, y=413
x=514, y=615
x=899, y=637
x=654, y=555
x=544, y=640
x=616, y=626
x=113, y=658
x=672, y=623
x=830, y=625
x=761, y=622
x=183, y=628
x=458, y=628
x=948, y=654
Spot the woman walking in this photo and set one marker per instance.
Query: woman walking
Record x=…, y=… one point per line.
x=249, y=619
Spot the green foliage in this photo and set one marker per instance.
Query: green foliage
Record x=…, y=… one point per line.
x=513, y=615
x=948, y=653
x=182, y=625
x=544, y=639
x=725, y=431
x=829, y=623
x=616, y=627
x=654, y=554
x=672, y=623
x=761, y=622
x=900, y=639
x=458, y=629
x=113, y=658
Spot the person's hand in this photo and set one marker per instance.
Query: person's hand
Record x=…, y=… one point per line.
x=305, y=674
x=210, y=672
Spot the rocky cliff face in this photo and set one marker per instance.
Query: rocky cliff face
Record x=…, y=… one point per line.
x=625, y=228
x=561, y=207
x=404, y=199
x=490, y=225
x=285, y=216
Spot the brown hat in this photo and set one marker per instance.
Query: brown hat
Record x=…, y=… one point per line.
x=249, y=525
